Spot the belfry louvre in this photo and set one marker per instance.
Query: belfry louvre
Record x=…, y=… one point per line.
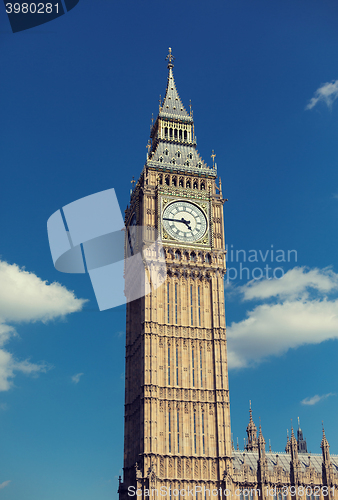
x=177, y=435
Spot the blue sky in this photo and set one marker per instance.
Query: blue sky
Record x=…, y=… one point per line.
x=76, y=100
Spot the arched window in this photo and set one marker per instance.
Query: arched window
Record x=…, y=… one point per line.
x=185, y=135
x=199, y=164
x=178, y=154
x=160, y=179
x=181, y=182
x=177, y=255
x=173, y=161
x=166, y=132
x=202, y=186
x=180, y=134
x=187, y=163
x=188, y=184
x=190, y=156
x=174, y=181
x=175, y=133
x=195, y=185
x=208, y=258
x=167, y=180
x=193, y=257
x=170, y=133
x=166, y=152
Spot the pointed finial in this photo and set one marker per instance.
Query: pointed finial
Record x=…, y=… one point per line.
x=237, y=444
x=152, y=118
x=148, y=147
x=269, y=445
x=160, y=103
x=213, y=159
x=133, y=183
x=298, y=423
x=190, y=106
x=250, y=411
x=170, y=58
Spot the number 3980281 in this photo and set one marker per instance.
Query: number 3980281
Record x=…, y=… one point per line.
x=32, y=8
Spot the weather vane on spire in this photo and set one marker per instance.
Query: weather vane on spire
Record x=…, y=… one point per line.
x=213, y=158
x=170, y=58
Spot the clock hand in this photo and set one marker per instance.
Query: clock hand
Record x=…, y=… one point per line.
x=183, y=221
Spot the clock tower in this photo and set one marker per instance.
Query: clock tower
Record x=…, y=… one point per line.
x=177, y=416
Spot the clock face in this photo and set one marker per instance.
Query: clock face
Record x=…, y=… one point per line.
x=184, y=221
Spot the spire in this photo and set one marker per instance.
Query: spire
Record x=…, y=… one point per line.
x=173, y=142
x=262, y=462
x=327, y=470
x=251, y=431
x=287, y=447
x=172, y=106
x=261, y=443
x=293, y=446
x=325, y=446
x=302, y=447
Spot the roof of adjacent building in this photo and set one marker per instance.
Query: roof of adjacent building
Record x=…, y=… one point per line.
x=251, y=458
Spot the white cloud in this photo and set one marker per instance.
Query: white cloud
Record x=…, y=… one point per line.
x=76, y=378
x=292, y=320
x=25, y=298
x=327, y=93
x=4, y=484
x=296, y=283
x=315, y=399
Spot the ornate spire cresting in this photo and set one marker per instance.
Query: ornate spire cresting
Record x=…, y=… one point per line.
x=170, y=58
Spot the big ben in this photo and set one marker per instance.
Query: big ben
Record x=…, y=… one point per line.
x=177, y=434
